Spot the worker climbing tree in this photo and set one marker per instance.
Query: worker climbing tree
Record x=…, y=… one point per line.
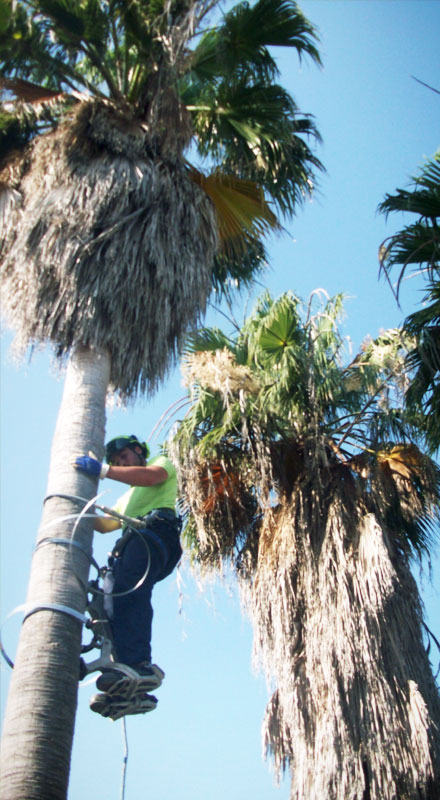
x=141, y=557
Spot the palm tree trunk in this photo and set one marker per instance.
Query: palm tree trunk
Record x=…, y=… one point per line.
x=40, y=714
x=356, y=713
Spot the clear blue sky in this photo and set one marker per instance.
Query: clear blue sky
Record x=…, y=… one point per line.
x=377, y=124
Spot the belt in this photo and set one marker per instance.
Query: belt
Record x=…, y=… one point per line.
x=165, y=514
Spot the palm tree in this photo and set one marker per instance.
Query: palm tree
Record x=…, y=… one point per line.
x=306, y=477
x=111, y=242
x=418, y=245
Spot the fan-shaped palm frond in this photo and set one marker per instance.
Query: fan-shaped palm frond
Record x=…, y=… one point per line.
x=242, y=42
x=242, y=212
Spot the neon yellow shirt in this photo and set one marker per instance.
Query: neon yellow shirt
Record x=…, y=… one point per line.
x=139, y=500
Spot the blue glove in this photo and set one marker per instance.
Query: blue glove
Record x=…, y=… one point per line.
x=91, y=466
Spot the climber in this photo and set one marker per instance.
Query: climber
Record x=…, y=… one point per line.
x=153, y=554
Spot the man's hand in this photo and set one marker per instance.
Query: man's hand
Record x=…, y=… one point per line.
x=91, y=466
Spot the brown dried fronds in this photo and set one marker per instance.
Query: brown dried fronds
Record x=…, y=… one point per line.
x=338, y=632
x=108, y=250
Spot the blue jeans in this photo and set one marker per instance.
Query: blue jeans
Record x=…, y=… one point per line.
x=132, y=619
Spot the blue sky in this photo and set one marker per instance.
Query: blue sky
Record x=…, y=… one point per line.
x=377, y=124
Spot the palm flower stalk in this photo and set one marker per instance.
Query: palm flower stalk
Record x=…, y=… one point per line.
x=308, y=478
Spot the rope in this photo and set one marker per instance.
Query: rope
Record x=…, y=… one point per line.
x=125, y=758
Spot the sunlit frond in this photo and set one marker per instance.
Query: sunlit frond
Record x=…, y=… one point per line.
x=242, y=212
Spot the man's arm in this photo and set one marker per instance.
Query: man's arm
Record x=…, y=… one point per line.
x=133, y=476
x=106, y=524
x=138, y=476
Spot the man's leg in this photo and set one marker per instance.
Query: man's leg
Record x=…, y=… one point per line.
x=133, y=612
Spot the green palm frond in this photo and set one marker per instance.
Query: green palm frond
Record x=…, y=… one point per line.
x=278, y=389
x=423, y=395
x=207, y=339
x=231, y=272
x=80, y=24
x=242, y=41
x=256, y=132
x=418, y=242
x=280, y=333
x=425, y=197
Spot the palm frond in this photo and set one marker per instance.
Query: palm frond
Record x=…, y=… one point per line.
x=232, y=272
x=418, y=242
x=207, y=339
x=241, y=41
x=242, y=212
x=256, y=132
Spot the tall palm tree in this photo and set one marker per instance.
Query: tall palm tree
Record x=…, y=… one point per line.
x=111, y=243
x=417, y=245
x=307, y=478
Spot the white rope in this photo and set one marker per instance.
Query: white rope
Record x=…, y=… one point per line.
x=125, y=758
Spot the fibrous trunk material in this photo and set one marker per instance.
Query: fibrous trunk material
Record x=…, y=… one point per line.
x=105, y=243
x=355, y=714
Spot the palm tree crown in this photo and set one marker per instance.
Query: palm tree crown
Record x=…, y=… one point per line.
x=274, y=407
x=112, y=95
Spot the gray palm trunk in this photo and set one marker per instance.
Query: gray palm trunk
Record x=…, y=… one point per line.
x=40, y=713
x=338, y=627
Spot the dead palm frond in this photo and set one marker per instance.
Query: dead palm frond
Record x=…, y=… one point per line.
x=354, y=707
x=93, y=250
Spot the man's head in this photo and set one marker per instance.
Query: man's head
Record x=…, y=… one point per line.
x=126, y=451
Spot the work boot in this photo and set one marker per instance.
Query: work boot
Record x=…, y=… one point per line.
x=114, y=682
x=116, y=707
